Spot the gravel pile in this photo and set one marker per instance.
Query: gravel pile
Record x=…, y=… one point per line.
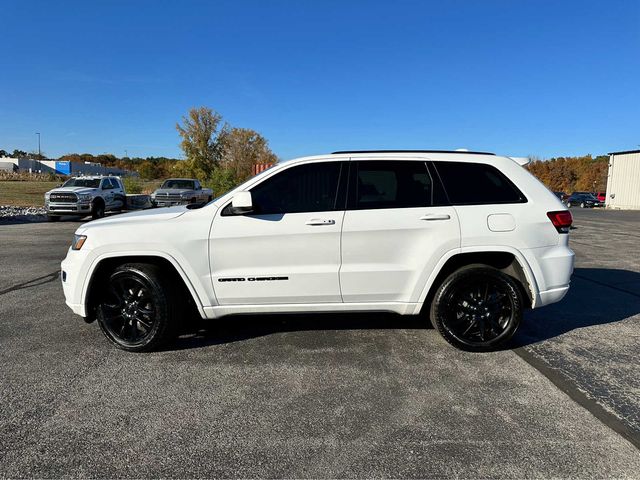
x=10, y=212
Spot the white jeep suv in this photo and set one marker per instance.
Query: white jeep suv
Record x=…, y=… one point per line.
x=468, y=239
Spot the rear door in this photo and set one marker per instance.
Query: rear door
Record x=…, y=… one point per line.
x=119, y=196
x=396, y=228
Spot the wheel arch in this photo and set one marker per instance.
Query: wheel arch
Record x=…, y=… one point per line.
x=107, y=263
x=508, y=261
x=98, y=200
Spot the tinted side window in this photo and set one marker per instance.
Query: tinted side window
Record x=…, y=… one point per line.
x=114, y=183
x=306, y=188
x=393, y=184
x=106, y=183
x=477, y=183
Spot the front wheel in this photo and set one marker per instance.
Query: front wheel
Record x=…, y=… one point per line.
x=477, y=308
x=98, y=210
x=136, y=312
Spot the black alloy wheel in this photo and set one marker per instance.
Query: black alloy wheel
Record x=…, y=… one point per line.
x=477, y=308
x=135, y=312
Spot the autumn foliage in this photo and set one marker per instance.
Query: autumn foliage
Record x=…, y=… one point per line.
x=570, y=174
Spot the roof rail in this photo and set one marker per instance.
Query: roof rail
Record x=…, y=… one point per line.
x=411, y=151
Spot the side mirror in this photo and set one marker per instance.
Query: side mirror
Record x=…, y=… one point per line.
x=241, y=203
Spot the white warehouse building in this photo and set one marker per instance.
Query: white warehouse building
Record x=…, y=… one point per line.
x=623, y=180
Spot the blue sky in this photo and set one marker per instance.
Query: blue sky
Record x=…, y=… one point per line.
x=519, y=77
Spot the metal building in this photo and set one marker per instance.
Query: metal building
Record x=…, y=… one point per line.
x=623, y=180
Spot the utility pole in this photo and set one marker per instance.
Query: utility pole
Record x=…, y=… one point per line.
x=126, y=154
x=38, y=133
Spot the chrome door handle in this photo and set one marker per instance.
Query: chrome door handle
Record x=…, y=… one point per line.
x=320, y=221
x=435, y=216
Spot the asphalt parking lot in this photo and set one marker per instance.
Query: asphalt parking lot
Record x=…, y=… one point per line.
x=324, y=396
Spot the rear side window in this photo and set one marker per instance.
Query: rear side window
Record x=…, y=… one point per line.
x=307, y=188
x=395, y=184
x=477, y=184
x=114, y=183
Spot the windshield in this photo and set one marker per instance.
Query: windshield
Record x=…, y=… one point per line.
x=182, y=184
x=82, y=182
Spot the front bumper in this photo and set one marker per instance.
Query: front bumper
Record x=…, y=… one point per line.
x=72, y=277
x=67, y=208
x=169, y=203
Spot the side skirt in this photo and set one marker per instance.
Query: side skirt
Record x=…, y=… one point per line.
x=394, y=307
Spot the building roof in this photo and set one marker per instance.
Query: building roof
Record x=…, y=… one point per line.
x=622, y=153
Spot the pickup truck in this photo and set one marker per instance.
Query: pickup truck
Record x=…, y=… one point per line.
x=83, y=196
x=180, y=191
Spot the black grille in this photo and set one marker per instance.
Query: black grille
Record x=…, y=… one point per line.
x=63, y=197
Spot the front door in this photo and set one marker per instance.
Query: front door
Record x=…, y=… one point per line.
x=288, y=249
x=396, y=228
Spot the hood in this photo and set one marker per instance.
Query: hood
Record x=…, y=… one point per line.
x=153, y=215
x=73, y=189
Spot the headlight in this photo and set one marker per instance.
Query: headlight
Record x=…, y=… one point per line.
x=78, y=242
x=84, y=197
x=185, y=195
x=47, y=195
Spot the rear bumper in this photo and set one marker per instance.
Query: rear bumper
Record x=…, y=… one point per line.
x=551, y=296
x=552, y=268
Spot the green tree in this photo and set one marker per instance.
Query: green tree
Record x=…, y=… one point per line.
x=241, y=149
x=200, y=132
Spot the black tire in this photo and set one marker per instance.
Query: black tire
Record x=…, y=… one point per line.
x=137, y=312
x=97, y=209
x=53, y=218
x=477, y=308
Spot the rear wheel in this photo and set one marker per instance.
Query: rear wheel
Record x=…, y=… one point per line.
x=136, y=313
x=477, y=308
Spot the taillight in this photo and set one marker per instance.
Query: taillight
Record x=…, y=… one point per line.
x=562, y=220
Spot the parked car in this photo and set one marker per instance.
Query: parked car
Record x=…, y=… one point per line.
x=450, y=236
x=583, y=200
x=601, y=196
x=562, y=196
x=83, y=196
x=180, y=191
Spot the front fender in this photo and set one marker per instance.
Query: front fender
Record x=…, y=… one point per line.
x=196, y=289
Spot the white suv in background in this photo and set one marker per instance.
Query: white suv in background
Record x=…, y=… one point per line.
x=467, y=239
